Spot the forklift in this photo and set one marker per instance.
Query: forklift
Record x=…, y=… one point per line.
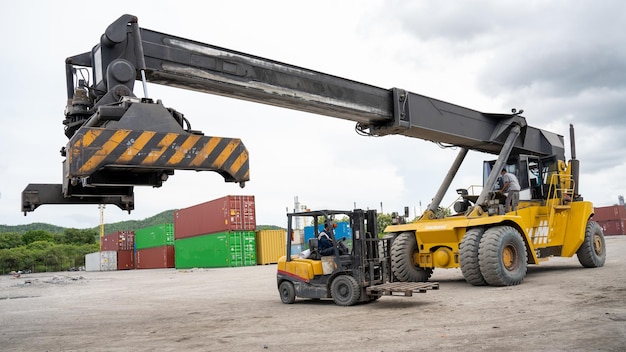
x=359, y=270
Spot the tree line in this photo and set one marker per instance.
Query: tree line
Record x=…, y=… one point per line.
x=41, y=250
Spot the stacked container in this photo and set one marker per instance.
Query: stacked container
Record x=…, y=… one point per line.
x=155, y=247
x=218, y=233
x=122, y=242
x=270, y=246
x=612, y=219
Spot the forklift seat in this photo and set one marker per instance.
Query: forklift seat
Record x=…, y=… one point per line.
x=314, y=248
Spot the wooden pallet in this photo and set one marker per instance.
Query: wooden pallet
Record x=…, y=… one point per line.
x=401, y=288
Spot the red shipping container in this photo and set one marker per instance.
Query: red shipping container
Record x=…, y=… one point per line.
x=229, y=213
x=613, y=227
x=155, y=257
x=613, y=212
x=118, y=241
x=125, y=259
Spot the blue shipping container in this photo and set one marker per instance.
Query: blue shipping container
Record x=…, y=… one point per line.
x=343, y=230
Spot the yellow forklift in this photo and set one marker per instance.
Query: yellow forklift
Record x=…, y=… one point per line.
x=358, y=270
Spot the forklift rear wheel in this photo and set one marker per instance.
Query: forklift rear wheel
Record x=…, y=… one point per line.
x=502, y=256
x=468, y=256
x=403, y=265
x=592, y=253
x=345, y=290
x=287, y=292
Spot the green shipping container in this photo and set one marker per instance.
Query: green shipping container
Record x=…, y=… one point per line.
x=154, y=236
x=242, y=248
x=224, y=249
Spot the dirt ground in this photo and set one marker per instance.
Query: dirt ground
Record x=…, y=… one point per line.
x=560, y=306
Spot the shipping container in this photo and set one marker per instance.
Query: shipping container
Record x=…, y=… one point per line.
x=126, y=259
x=297, y=249
x=242, y=246
x=229, y=213
x=154, y=236
x=101, y=261
x=613, y=227
x=207, y=251
x=155, y=257
x=343, y=229
x=224, y=249
x=270, y=246
x=613, y=212
x=118, y=241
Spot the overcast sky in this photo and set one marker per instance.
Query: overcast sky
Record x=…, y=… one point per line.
x=561, y=61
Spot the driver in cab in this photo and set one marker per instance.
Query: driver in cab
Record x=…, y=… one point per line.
x=325, y=242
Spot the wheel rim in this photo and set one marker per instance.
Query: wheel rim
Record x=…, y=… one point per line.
x=597, y=244
x=343, y=290
x=509, y=257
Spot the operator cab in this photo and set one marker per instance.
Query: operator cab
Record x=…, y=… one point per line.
x=533, y=173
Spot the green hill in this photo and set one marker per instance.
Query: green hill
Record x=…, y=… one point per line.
x=31, y=227
x=128, y=225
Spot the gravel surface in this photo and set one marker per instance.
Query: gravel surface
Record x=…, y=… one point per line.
x=560, y=306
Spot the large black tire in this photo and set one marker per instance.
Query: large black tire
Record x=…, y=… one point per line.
x=402, y=264
x=345, y=290
x=592, y=253
x=468, y=256
x=502, y=256
x=287, y=292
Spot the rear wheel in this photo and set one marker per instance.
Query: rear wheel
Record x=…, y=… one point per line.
x=287, y=292
x=345, y=290
x=403, y=265
x=468, y=256
x=502, y=256
x=592, y=253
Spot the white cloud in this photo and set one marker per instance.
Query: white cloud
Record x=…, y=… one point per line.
x=559, y=61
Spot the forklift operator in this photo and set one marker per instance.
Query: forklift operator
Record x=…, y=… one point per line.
x=325, y=243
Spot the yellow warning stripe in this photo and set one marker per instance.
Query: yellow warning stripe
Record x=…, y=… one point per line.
x=183, y=149
x=239, y=162
x=155, y=154
x=136, y=147
x=88, y=138
x=206, y=151
x=228, y=150
x=106, y=149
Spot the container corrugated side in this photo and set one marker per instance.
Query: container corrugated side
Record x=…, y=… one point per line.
x=613, y=227
x=118, y=241
x=229, y=213
x=154, y=236
x=206, y=251
x=155, y=257
x=270, y=246
x=613, y=212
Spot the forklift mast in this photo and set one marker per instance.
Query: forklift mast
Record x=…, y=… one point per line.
x=114, y=134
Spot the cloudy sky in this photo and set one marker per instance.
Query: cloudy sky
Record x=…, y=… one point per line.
x=561, y=61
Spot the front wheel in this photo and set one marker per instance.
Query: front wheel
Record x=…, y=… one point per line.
x=345, y=290
x=592, y=253
x=502, y=256
x=468, y=257
x=403, y=265
x=287, y=292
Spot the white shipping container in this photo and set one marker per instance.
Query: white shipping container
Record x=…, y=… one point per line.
x=101, y=261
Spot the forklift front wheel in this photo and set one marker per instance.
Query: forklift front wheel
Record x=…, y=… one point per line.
x=287, y=292
x=345, y=290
